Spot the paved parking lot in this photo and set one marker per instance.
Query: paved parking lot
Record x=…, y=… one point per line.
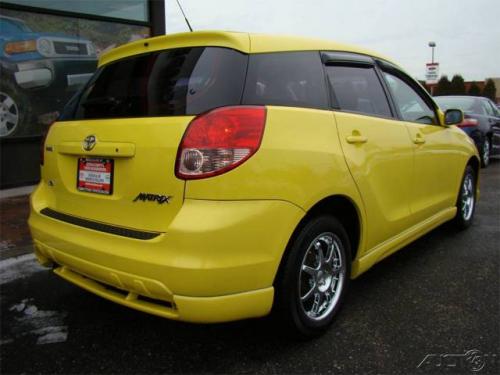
x=433, y=307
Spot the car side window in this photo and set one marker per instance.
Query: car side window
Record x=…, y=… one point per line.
x=358, y=89
x=293, y=79
x=411, y=105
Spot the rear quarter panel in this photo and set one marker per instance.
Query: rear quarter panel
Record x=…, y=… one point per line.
x=299, y=161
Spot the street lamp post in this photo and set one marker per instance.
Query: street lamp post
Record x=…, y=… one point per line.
x=432, y=45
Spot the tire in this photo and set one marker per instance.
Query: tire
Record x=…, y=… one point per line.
x=466, y=201
x=15, y=111
x=317, y=268
x=485, y=152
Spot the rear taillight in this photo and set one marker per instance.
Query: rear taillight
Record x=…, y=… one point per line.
x=468, y=123
x=220, y=140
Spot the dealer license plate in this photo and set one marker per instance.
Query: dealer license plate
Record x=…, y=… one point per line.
x=95, y=175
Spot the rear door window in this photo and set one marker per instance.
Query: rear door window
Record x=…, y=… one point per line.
x=184, y=81
x=294, y=79
x=358, y=89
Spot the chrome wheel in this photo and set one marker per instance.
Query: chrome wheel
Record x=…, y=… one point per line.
x=468, y=197
x=322, y=276
x=9, y=115
x=486, y=152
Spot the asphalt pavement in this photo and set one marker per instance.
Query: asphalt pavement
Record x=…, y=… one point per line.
x=433, y=307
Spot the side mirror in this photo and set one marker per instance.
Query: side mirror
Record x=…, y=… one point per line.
x=453, y=117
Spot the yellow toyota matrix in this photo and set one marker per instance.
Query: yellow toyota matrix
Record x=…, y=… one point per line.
x=215, y=176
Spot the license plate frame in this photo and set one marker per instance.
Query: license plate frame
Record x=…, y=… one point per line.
x=97, y=176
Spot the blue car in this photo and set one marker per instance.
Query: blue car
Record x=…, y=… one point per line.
x=481, y=122
x=39, y=73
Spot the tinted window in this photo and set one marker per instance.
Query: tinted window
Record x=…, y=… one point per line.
x=184, y=81
x=293, y=79
x=411, y=105
x=358, y=89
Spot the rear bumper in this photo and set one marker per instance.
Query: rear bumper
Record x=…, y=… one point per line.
x=216, y=262
x=251, y=304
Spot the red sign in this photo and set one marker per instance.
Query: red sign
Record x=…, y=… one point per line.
x=95, y=175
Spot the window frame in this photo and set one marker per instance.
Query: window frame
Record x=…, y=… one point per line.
x=351, y=59
x=386, y=67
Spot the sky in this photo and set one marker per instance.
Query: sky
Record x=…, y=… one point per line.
x=466, y=32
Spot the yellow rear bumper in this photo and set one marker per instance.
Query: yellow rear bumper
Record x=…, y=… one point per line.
x=205, y=269
x=202, y=309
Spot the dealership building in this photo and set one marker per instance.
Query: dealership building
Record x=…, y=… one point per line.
x=48, y=51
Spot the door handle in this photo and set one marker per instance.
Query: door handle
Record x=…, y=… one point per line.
x=418, y=140
x=356, y=139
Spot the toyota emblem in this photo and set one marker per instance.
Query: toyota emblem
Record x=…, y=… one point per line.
x=89, y=142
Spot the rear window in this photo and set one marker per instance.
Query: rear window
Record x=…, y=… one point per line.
x=184, y=81
x=189, y=81
x=294, y=79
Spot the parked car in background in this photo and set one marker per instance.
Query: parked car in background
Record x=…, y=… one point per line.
x=39, y=73
x=215, y=176
x=481, y=122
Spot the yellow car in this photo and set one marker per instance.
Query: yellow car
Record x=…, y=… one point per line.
x=216, y=176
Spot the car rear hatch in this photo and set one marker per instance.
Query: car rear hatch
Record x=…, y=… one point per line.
x=111, y=156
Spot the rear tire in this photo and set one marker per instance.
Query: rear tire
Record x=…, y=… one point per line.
x=466, y=201
x=313, y=278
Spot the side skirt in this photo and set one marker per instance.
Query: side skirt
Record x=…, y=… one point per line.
x=401, y=240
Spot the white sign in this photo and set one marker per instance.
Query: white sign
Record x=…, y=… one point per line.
x=432, y=73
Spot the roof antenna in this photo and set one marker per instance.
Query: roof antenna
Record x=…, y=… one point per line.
x=185, y=18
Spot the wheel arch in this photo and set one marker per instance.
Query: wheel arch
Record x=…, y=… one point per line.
x=343, y=209
x=475, y=163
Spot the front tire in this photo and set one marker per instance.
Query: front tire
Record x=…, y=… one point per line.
x=466, y=201
x=313, y=278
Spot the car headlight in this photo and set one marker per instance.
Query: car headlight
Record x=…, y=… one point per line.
x=44, y=46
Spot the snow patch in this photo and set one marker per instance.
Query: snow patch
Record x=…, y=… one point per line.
x=51, y=335
x=47, y=326
x=18, y=268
